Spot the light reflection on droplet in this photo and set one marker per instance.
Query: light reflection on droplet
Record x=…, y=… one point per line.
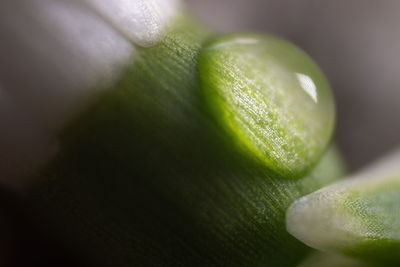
x=308, y=85
x=246, y=41
x=235, y=41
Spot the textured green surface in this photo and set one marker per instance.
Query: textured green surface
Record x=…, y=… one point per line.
x=359, y=217
x=322, y=259
x=146, y=179
x=374, y=212
x=270, y=97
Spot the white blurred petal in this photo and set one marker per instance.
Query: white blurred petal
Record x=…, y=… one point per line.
x=142, y=21
x=348, y=213
x=56, y=55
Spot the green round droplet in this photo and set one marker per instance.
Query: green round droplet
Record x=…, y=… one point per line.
x=270, y=97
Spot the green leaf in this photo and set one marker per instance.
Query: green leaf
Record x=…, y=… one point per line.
x=318, y=259
x=144, y=178
x=270, y=97
x=359, y=216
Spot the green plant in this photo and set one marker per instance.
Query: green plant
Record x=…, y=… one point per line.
x=358, y=216
x=197, y=150
x=152, y=175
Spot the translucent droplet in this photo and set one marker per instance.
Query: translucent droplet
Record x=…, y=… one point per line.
x=271, y=98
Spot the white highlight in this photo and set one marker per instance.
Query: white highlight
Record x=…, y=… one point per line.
x=246, y=41
x=308, y=86
x=235, y=41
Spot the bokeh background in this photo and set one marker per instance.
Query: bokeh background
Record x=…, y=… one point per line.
x=357, y=45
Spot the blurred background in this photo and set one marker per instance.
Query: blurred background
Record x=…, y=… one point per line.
x=357, y=45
